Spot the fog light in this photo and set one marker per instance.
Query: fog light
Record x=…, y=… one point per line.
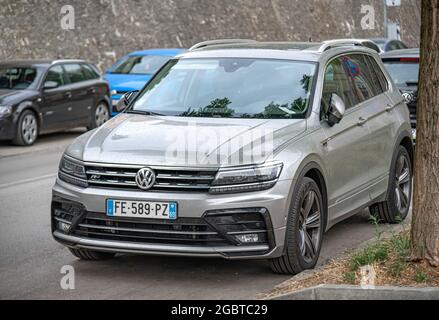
x=64, y=227
x=248, y=238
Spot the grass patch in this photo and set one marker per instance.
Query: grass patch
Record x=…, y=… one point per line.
x=388, y=258
x=421, y=276
x=370, y=255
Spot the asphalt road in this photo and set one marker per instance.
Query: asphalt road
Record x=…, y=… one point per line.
x=30, y=260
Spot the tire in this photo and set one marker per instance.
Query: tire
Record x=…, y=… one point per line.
x=90, y=255
x=399, y=193
x=101, y=114
x=298, y=254
x=27, y=129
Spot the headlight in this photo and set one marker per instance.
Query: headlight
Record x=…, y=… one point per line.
x=248, y=179
x=72, y=171
x=5, y=110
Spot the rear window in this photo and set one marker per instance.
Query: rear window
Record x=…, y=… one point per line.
x=89, y=72
x=404, y=71
x=74, y=72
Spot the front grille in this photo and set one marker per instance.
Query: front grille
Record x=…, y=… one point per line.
x=412, y=109
x=166, y=179
x=188, y=231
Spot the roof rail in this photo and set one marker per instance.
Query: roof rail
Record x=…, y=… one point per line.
x=67, y=60
x=219, y=41
x=329, y=44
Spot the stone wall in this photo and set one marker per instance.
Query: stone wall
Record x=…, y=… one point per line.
x=106, y=29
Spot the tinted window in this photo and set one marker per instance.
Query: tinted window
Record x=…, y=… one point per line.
x=55, y=74
x=338, y=80
x=74, y=72
x=229, y=87
x=140, y=64
x=17, y=77
x=362, y=77
x=89, y=73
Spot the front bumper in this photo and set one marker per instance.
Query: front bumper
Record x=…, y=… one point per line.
x=191, y=206
x=114, y=100
x=7, y=128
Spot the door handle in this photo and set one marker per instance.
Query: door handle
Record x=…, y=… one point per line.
x=68, y=95
x=92, y=90
x=361, y=121
x=389, y=108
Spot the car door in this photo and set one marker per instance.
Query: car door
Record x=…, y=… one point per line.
x=344, y=146
x=55, y=102
x=380, y=114
x=82, y=94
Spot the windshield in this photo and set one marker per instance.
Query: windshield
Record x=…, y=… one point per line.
x=403, y=73
x=140, y=65
x=18, y=78
x=229, y=87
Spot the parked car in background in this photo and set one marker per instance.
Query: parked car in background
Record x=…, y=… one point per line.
x=386, y=45
x=208, y=160
x=50, y=95
x=403, y=67
x=134, y=70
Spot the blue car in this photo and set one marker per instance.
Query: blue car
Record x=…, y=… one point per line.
x=134, y=70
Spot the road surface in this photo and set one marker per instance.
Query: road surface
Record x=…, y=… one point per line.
x=31, y=260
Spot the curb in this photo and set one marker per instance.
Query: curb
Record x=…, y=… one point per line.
x=348, y=292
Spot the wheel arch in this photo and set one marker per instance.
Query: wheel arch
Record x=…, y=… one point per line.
x=28, y=105
x=313, y=168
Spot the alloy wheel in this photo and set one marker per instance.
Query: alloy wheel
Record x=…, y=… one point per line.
x=309, y=226
x=101, y=115
x=29, y=128
x=403, y=184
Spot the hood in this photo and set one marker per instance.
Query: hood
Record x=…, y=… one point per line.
x=126, y=82
x=178, y=141
x=10, y=97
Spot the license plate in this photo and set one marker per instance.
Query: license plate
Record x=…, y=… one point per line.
x=142, y=209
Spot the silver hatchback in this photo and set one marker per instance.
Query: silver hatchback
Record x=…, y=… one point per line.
x=240, y=149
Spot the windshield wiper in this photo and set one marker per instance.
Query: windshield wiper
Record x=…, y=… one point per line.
x=411, y=83
x=146, y=113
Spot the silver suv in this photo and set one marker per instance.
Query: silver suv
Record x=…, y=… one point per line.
x=240, y=149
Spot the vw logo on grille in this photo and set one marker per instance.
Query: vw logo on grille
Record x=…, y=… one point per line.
x=145, y=178
x=408, y=97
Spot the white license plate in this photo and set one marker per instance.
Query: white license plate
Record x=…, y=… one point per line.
x=142, y=209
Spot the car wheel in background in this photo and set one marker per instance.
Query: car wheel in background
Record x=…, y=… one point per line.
x=101, y=115
x=399, y=194
x=304, y=230
x=91, y=255
x=27, y=129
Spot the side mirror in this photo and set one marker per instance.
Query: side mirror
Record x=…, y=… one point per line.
x=50, y=85
x=336, y=110
x=125, y=100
